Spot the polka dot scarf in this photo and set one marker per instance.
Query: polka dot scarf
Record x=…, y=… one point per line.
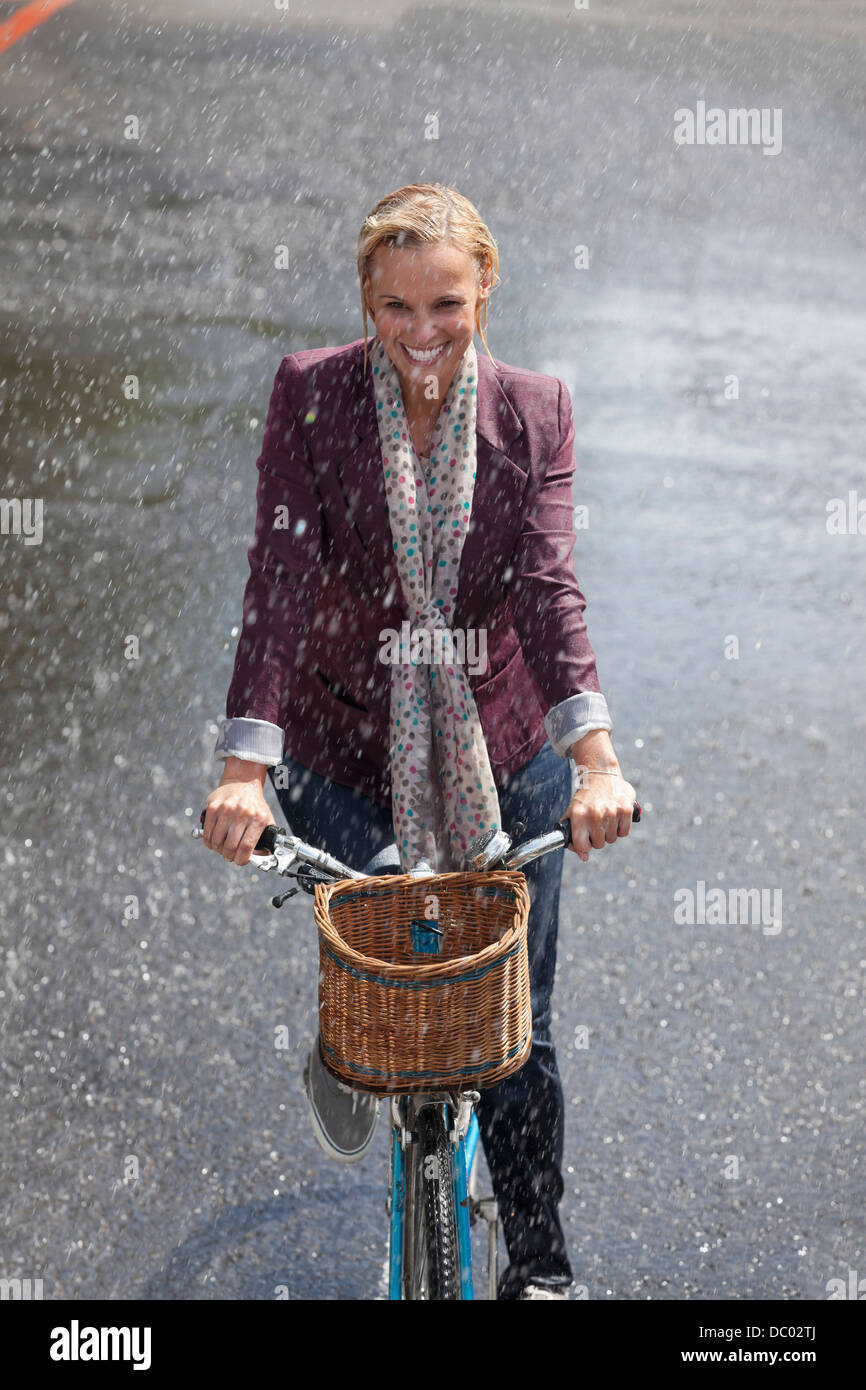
x=442, y=789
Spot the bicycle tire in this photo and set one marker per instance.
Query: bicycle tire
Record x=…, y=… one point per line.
x=441, y=1250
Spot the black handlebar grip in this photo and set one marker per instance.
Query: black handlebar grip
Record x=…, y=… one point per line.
x=266, y=842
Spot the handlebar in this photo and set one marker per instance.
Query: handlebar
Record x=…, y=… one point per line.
x=289, y=856
x=496, y=850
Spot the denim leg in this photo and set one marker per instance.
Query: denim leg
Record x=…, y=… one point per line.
x=522, y=1118
x=338, y=819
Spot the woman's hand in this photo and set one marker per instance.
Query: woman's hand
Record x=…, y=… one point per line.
x=601, y=809
x=237, y=812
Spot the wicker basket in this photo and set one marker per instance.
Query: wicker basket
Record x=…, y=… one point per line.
x=424, y=983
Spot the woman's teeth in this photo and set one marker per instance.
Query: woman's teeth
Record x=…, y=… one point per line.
x=427, y=355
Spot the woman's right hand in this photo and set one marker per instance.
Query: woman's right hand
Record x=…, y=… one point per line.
x=236, y=811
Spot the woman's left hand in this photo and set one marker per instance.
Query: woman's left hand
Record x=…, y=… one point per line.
x=600, y=810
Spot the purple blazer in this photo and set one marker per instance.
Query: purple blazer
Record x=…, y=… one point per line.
x=323, y=583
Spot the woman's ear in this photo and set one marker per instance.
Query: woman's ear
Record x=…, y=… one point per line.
x=485, y=285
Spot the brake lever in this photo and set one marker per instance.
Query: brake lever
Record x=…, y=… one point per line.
x=307, y=877
x=284, y=897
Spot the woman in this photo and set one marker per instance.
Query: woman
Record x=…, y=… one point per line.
x=411, y=486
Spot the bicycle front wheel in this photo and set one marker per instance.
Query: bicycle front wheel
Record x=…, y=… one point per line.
x=434, y=1265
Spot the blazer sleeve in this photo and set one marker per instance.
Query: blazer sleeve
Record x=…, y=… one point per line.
x=285, y=562
x=546, y=600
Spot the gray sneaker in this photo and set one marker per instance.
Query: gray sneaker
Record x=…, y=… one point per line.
x=344, y=1120
x=539, y=1291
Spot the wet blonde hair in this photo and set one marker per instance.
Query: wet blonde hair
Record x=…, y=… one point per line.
x=428, y=214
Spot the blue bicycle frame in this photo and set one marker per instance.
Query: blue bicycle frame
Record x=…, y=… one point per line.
x=464, y=1156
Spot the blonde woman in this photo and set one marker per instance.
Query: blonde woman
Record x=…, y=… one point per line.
x=408, y=484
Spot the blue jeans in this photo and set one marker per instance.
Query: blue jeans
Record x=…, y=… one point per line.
x=521, y=1119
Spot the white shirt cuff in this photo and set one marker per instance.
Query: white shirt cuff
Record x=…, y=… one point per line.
x=568, y=721
x=252, y=740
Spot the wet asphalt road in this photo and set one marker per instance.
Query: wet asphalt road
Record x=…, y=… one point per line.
x=147, y=1043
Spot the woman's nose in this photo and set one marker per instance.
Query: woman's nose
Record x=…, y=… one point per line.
x=424, y=332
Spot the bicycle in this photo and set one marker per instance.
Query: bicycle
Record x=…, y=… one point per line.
x=433, y=1199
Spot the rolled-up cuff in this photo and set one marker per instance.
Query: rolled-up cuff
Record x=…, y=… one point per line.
x=253, y=740
x=568, y=721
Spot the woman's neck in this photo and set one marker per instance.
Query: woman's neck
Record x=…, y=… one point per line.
x=419, y=406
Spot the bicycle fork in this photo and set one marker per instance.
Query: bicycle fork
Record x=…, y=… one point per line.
x=410, y=1169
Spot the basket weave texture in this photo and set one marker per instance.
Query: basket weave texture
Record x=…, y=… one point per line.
x=424, y=983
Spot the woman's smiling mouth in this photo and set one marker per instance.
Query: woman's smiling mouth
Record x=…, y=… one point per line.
x=424, y=356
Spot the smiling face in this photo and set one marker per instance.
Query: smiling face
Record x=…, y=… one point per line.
x=423, y=301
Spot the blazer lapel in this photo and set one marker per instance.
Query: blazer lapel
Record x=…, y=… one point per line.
x=500, y=483
x=366, y=529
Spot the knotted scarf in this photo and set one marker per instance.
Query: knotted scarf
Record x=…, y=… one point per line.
x=442, y=789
